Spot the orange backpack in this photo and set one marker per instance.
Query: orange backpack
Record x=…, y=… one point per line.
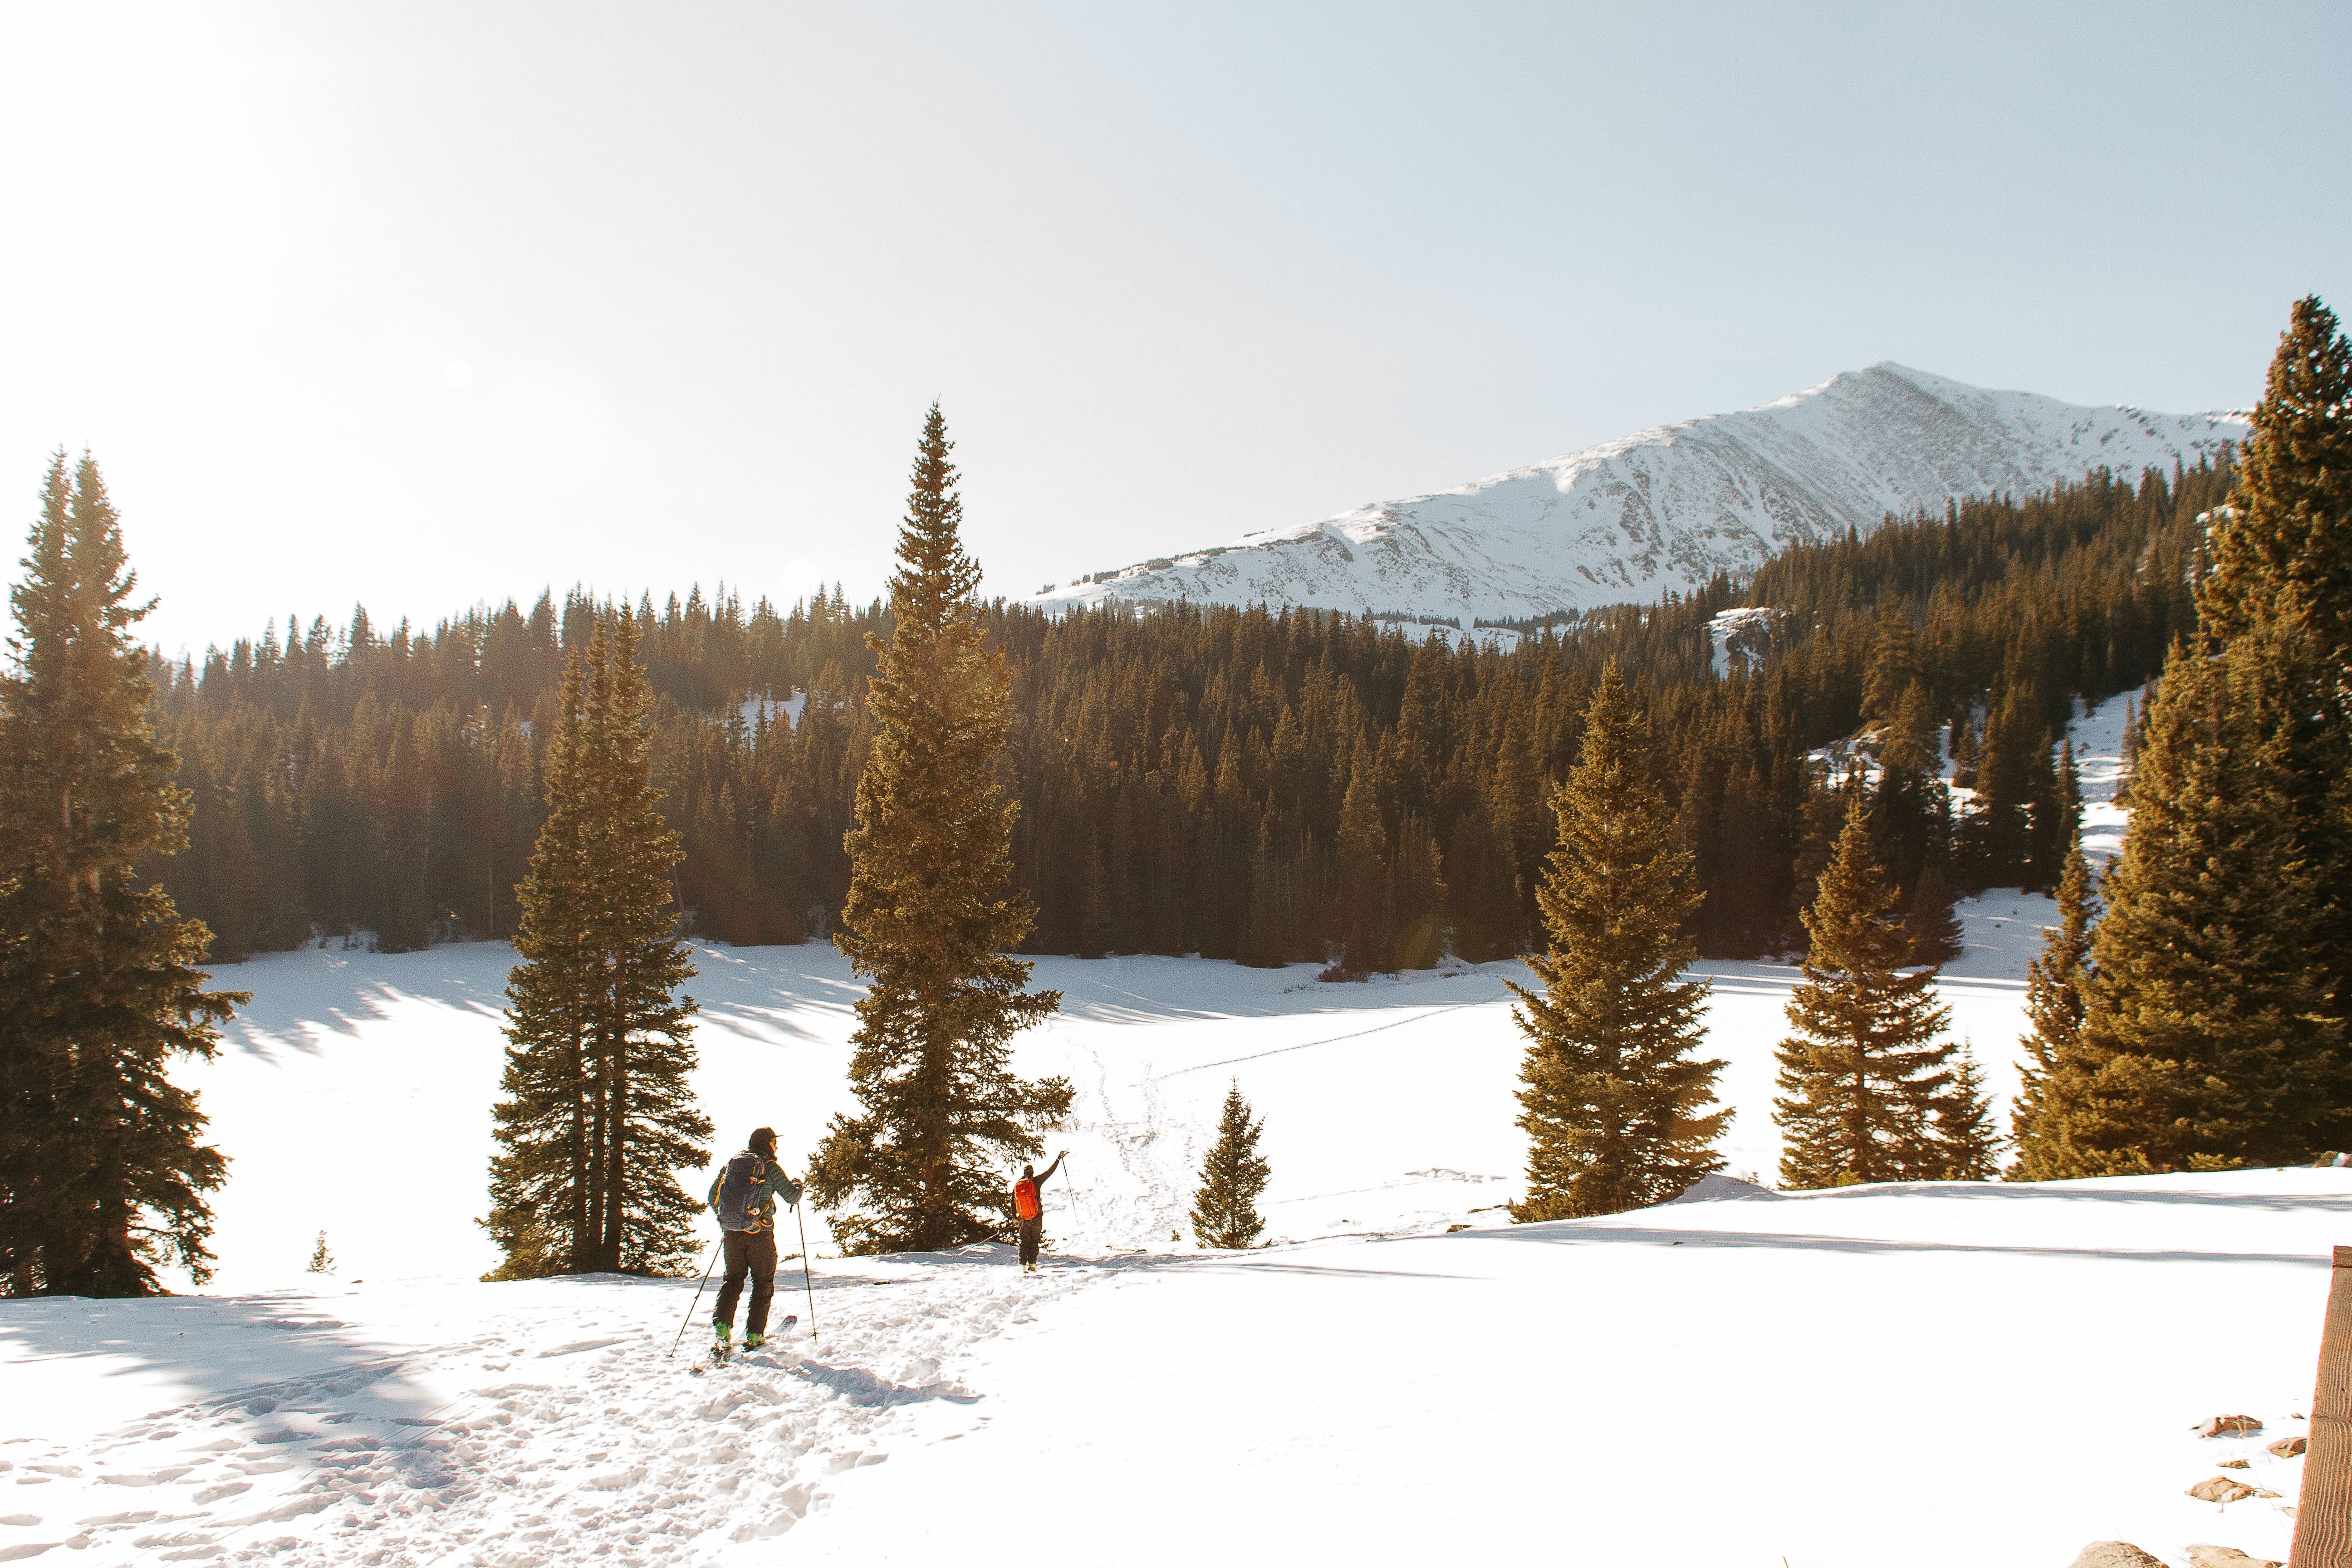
x=1024, y=1199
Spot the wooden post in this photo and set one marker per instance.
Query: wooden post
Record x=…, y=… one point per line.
x=2323, y=1516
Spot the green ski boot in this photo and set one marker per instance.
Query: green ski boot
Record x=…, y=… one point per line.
x=753, y=1341
x=722, y=1343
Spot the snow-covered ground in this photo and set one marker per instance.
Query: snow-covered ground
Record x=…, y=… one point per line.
x=1948, y=1375
x=1945, y=1374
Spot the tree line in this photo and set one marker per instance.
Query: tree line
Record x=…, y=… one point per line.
x=1267, y=787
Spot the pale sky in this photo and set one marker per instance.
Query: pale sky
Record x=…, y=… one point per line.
x=426, y=305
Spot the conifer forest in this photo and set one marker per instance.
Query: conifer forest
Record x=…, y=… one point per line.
x=1249, y=784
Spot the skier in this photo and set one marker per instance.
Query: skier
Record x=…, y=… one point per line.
x=1028, y=1208
x=743, y=1197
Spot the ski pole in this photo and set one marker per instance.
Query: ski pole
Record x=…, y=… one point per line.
x=698, y=1289
x=807, y=1283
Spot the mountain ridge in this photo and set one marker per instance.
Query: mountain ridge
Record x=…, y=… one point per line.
x=1669, y=507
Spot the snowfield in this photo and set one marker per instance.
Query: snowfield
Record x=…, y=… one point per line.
x=1667, y=509
x=1924, y=1374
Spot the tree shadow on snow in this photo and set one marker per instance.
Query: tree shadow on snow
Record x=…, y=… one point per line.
x=2104, y=1191
x=1572, y=1233
x=271, y=1374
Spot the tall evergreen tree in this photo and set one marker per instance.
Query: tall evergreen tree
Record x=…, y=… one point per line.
x=2288, y=529
x=1893, y=662
x=598, y=1114
x=2054, y=983
x=1614, y=1098
x=2209, y=1038
x=931, y=920
x=1369, y=943
x=1997, y=834
x=2282, y=552
x=1910, y=808
x=101, y=1170
x=1224, y=1209
x=1868, y=1092
x=2054, y=810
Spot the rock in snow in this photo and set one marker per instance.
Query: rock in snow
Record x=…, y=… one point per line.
x=2226, y=1426
x=2219, y=1488
x=2116, y=1554
x=2203, y=1556
x=1667, y=509
x=2289, y=1448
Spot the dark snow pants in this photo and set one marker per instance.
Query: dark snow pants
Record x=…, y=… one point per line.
x=1033, y=1231
x=752, y=1252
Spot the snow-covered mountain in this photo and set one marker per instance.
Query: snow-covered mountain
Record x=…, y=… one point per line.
x=1667, y=509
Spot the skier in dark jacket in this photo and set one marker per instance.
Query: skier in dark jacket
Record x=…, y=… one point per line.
x=1029, y=1209
x=743, y=1196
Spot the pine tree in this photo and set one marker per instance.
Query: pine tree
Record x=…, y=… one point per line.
x=1615, y=1102
x=1964, y=1125
x=1931, y=920
x=2127, y=758
x=322, y=1261
x=1369, y=943
x=2282, y=554
x=2208, y=1037
x=1224, y=1210
x=1868, y=1093
x=1893, y=662
x=1998, y=839
x=102, y=1171
x=2288, y=530
x=2053, y=812
x=598, y=1115
x=929, y=923
x=2053, y=1003
x=1910, y=809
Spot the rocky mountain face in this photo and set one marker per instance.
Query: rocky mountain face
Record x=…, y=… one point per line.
x=1667, y=509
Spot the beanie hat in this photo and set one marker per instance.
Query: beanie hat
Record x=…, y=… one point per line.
x=763, y=1140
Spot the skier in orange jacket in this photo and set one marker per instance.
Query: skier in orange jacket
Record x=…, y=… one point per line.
x=1029, y=1209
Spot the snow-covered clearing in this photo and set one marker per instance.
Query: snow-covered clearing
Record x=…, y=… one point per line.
x=1944, y=1374
x=1951, y=1373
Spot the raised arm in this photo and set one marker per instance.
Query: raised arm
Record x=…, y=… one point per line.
x=1051, y=1168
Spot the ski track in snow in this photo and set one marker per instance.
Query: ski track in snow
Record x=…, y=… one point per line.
x=551, y=1444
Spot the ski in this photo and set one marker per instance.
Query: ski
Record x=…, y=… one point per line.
x=722, y=1353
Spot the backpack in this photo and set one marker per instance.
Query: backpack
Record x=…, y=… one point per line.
x=1024, y=1199
x=745, y=1171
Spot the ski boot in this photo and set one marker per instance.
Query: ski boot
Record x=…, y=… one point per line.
x=753, y=1341
x=722, y=1343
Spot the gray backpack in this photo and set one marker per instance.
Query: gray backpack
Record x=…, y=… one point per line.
x=744, y=1172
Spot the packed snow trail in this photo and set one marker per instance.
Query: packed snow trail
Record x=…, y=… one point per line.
x=550, y=1425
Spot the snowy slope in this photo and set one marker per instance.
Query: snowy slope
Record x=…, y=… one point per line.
x=1938, y=1374
x=1954, y=1374
x=1667, y=509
